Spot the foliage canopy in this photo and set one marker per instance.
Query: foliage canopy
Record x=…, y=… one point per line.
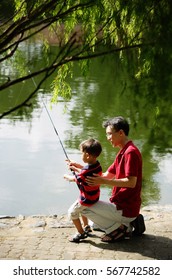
x=83, y=30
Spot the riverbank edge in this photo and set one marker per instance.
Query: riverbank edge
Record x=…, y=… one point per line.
x=61, y=220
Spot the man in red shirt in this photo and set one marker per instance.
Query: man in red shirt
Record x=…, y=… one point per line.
x=118, y=216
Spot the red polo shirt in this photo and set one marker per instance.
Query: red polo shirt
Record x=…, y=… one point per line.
x=128, y=162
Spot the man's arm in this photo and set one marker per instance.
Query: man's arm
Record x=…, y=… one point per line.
x=109, y=179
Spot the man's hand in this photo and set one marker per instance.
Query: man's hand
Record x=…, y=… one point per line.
x=95, y=180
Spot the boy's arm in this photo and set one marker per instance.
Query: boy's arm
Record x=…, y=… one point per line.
x=74, y=166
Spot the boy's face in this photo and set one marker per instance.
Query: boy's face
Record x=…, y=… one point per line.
x=85, y=157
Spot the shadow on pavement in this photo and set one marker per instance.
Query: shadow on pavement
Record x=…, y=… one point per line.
x=155, y=247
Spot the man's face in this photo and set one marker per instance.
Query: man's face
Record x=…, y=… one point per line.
x=113, y=136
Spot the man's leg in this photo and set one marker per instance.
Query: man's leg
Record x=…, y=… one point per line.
x=104, y=215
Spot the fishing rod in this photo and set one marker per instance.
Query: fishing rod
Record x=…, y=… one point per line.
x=53, y=124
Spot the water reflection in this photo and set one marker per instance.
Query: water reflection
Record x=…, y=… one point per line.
x=33, y=162
x=32, y=167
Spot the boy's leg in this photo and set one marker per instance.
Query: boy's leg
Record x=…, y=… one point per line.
x=85, y=221
x=78, y=225
x=74, y=213
x=87, y=227
x=81, y=233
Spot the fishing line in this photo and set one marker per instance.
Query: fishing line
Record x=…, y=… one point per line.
x=48, y=113
x=52, y=124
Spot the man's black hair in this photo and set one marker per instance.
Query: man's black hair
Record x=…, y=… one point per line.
x=118, y=123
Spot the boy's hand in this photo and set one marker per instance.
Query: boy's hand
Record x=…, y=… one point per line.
x=74, y=166
x=69, y=178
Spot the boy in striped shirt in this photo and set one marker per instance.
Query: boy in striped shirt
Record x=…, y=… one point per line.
x=89, y=195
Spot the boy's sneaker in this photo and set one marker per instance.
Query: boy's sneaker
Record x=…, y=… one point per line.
x=77, y=237
x=139, y=225
x=87, y=229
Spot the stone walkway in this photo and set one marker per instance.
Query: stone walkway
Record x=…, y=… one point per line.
x=46, y=238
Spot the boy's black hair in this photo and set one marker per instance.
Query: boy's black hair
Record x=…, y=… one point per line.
x=91, y=146
x=118, y=123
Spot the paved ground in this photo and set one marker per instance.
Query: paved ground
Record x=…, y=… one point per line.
x=46, y=238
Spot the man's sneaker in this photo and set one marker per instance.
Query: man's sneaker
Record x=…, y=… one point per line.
x=139, y=225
